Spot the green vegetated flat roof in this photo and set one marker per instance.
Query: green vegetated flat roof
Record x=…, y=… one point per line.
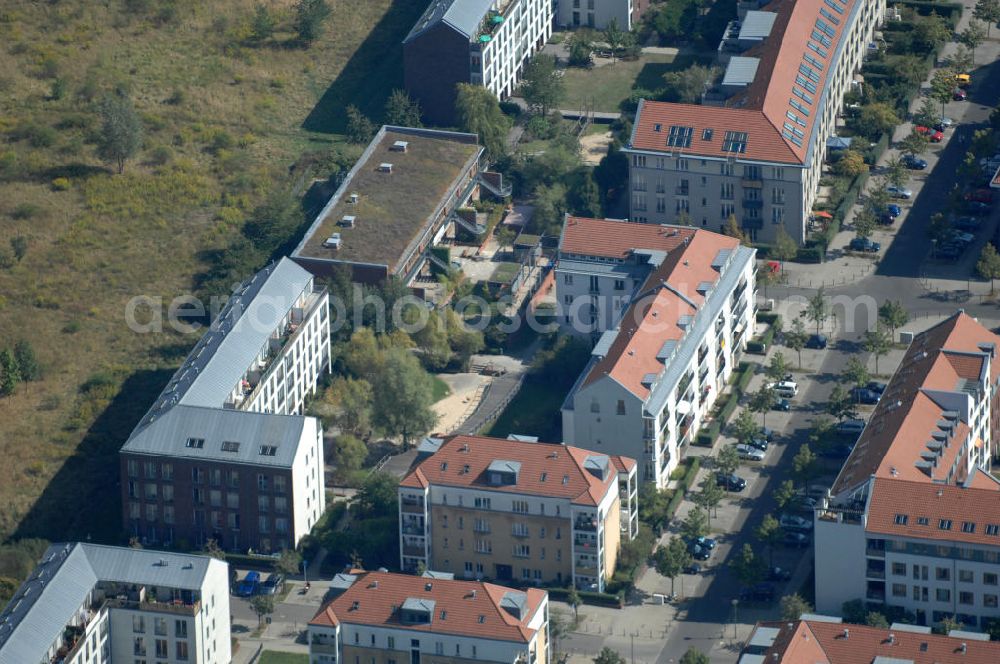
x=392, y=208
x=504, y=273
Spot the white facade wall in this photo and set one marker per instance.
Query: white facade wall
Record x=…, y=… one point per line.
x=591, y=301
x=839, y=564
x=595, y=13
x=608, y=418
x=308, y=491
x=527, y=26
x=97, y=644
x=325, y=643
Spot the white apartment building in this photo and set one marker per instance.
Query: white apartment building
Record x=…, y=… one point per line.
x=91, y=604
x=597, y=14
x=386, y=618
x=758, y=152
x=673, y=307
x=517, y=510
x=913, y=518
x=482, y=42
x=224, y=453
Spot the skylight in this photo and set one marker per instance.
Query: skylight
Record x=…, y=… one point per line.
x=679, y=136
x=268, y=450
x=735, y=141
x=196, y=443
x=230, y=446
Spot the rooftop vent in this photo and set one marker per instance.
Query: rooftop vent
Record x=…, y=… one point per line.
x=353, y=198
x=332, y=242
x=399, y=146
x=385, y=167
x=847, y=633
x=428, y=586
x=347, y=221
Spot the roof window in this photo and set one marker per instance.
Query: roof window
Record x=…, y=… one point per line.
x=679, y=136
x=735, y=141
x=268, y=450
x=195, y=443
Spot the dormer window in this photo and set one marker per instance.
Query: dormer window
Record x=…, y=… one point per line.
x=195, y=443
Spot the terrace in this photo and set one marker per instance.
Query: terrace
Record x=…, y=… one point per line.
x=394, y=209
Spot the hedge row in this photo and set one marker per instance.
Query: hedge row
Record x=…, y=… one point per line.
x=745, y=373
x=595, y=599
x=259, y=563
x=675, y=502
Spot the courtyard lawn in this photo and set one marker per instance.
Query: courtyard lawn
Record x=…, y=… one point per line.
x=609, y=85
x=441, y=389
x=272, y=657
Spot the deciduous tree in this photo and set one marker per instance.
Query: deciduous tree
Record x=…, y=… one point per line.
x=877, y=342
x=793, y=606
x=784, y=248
x=608, y=656
x=988, y=265
x=762, y=401
x=840, y=403
x=876, y=119
x=804, y=464
x=987, y=11
x=309, y=18
x=688, y=85
x=942, y=85
x=851, y=164
x=727, y=460
x=744, y=426
x=121, y=131
x=778, y=367
x=795, y=339
x=359, y=128
x=288, y=562
x=262, y=24
x=402, y=404
x=542, y=85
x=893, y=315
x=785, y=495
x=262, y=605
x=615, y=36
x=732, y=229
x=694, y=656
x=747, y=567
x=818, y=309
x=709, y=497
x=695, y=524
x=973, y=37
x=401, y=110
x=672, y=559
x=856, y=373
x=27, y=363
x=479, y=113
x=769, y=533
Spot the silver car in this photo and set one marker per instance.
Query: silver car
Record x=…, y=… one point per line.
x=750, y=453
x=899, y=192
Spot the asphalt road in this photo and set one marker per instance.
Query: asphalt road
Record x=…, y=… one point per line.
x=708, y=614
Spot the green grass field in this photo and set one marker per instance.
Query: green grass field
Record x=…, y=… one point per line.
x=272, y=657
x=533, y=412
x=226, y=121
x=441, y=389
x=608, y=86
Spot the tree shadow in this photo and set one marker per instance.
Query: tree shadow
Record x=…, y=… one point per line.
x=83, y=499
x=375, y=68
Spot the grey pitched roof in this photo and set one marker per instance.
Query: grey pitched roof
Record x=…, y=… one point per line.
x=237, y=336
x=464, y=16
x=741, y=71
x=169, y=434
x=46, y=602
x=757, y=25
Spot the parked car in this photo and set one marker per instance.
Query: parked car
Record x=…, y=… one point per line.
x=956, y=236
x=865, y=396
x=759, y=443
x=933, y=135
x=795, y=522
x=786, y=388
x=248, y=586
x=806, y=503
x=893, y=209
x=976, y=208
x=968, y=224
x=816, y=341
x=948, y=252
x=913, y=162
x=796, y=539
x=854, y=426
x=782, y=404
x=760, y=592
x=273, y=584
x=899, y=192
x=693, y=568
x=731, y=481
x=958, y=94
x=778, y=574
x=767, y=434
x=864, y=244
x=706, y=542
x=699, y=552
x=750, y=453
x=876, y=386
x=836, y=451
x=963, y=80
x=980, y=196
x=944, y=123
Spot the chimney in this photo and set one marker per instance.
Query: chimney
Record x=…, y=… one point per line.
x=892, y=639
x=963, y=648
x=847, y=633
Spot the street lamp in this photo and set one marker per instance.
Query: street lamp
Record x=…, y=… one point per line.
x=736, y=604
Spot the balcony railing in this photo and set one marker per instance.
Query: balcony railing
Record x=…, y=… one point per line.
x=752, y=204
x=323, y=648
x=588, y=525
x=176, y=607
x=875, y=573
x=586, y=546
x=874, y=552
x=411, y=550
x=412, y=507
x=413, y=530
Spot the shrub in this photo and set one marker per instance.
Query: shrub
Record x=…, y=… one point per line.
x=692, y=472
x=510, y=108
x=706, y=437
x=25, y=211
x=161, y=155
x=61, y=184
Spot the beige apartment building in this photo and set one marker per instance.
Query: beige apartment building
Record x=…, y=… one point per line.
x=517, y=510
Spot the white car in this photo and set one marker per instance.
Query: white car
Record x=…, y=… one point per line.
x=899, y=192
x=750, y=453
x=785, y=388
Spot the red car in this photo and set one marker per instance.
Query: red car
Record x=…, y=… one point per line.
x=958, y=94
x=980, y=196
x=934, y=135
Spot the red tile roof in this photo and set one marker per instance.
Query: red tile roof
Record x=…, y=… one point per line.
x=547, y=469
x=761, y=110
x=816, y=642
x=957, y=504
x=471, y=608
x=618, y=239
x=654, y=317
x=903, y=421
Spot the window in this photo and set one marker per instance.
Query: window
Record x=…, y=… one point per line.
x=568, y=279
x=899, y=590
x=268, y=450
x=922, y=521
x=944, y=524
x=262, y=482
x=160, y=627
x=816, y=48
x=182, y=650
x=989, y=579
x=799, y=107
x=735, y=141
x=821, y=38
x=942, y=595
x=965, y=576
x=519, y=507
x=168, y=471
x=522, y=551
x=679, y=136
x=519, y=530
x=161, y=648
x=813, y=62
x=901, y=519
x=180, y=629
x=993, y=529
x=726, y=168
x=138, y=624
x=726, y=192
x=899, y=569
x=195, y=443
x=990, y=601
x=942, y=574
x=968, y=527
x=230, y=446
x=620, y=410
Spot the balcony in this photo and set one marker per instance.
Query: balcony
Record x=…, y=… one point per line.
x=585, y=545
x=586, y=524
x=590, y=569
x=413, y=530
x=685, y=382
x=874, y=573
x=412, y=550
x=752, y=204
x=875, y=596
x=681, y=191
x=175, y=607
x=412, y=507
x=751, y=223
x=322, y=648
x=752, y=180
